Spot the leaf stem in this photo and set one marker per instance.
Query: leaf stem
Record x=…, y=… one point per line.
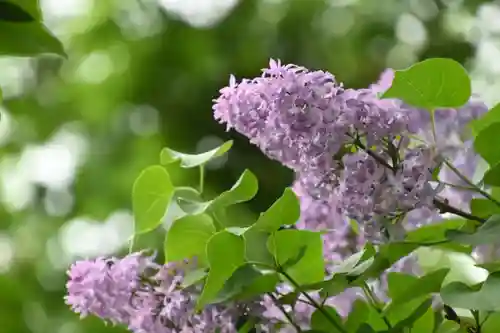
x=375, y=303
x=285, y=313
x=470, y=183
x=312, y=301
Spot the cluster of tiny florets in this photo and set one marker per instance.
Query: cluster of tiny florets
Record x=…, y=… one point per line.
x=146, y=297
x=354, y=158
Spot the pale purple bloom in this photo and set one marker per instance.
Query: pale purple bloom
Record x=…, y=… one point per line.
x=147, y=297
x=302, y=118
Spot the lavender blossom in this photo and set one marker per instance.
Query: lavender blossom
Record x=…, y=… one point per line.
x=369, y=189
x=147, y=298
x=302, y=118
x=103, y=287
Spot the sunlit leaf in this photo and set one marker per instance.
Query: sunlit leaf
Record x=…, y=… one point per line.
x=193, y=277
x=243, y=190
x=486, y=144
x=188, y=237
x=322, y=322
x=483, y=296
x=225, y=253
x=284, y=211
x=168, y=155
x=416, y=289
x=487, y=233
x=288, y=244
x=432, y=83
x=490, y=117
x=151, y=195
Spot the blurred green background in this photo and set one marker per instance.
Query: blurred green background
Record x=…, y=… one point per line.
x=141, y=75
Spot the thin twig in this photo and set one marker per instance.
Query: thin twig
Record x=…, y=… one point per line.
x=285, y=313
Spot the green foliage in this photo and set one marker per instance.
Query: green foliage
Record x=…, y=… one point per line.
x=168, y=156
x=483, y=296
x=300, y=253
x=432, y=83
x=486, y=143
x=151, y=195
x=484, y=207
x=243, y=190
x=22, y=33
x=358, y=315
x=487, y=233
x=489, y=118
x=188, y=237
x=242, y=261
x=284, y=211
x=409, y=289
x=225, y=253
x=321, y=323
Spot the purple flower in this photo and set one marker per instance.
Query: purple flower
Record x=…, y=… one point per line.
x=147, y=297
x=302, y=118
x=103, y=287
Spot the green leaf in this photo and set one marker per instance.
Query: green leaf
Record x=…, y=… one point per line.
x=365, y=328
x=187, y=193
x=151, y=195
x=358, y=315
x=320, y=322
x=242, y=277
x=243, y=190
x=225, y=253
x=286, y=245
x=462, y=266
x=193, y=277
x=11, y=12
x=335, y=285
x=168, y=156
x=483, y=296
x=426, y=323
x=28, y=39
x=491, y=324
x=487, y=233
x=256, y=247
x=32, y=7
x=413, y=317
x=483, y=207
x=290, y=298
x=434, y=232
x=492, y=176
x=486, y=143
x=432, y=83
x=350, y=263
x=247, y=283
x=490, y=117
x=188, y=237
x=262, y=284
x=423, y=286
x=490, y=266
x=387, y=255
x=284, y=211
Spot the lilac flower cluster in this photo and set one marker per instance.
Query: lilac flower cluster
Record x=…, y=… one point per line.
x=146, y=297
x=304, y=119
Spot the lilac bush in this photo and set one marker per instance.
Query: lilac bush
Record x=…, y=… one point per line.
x=375, y=170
